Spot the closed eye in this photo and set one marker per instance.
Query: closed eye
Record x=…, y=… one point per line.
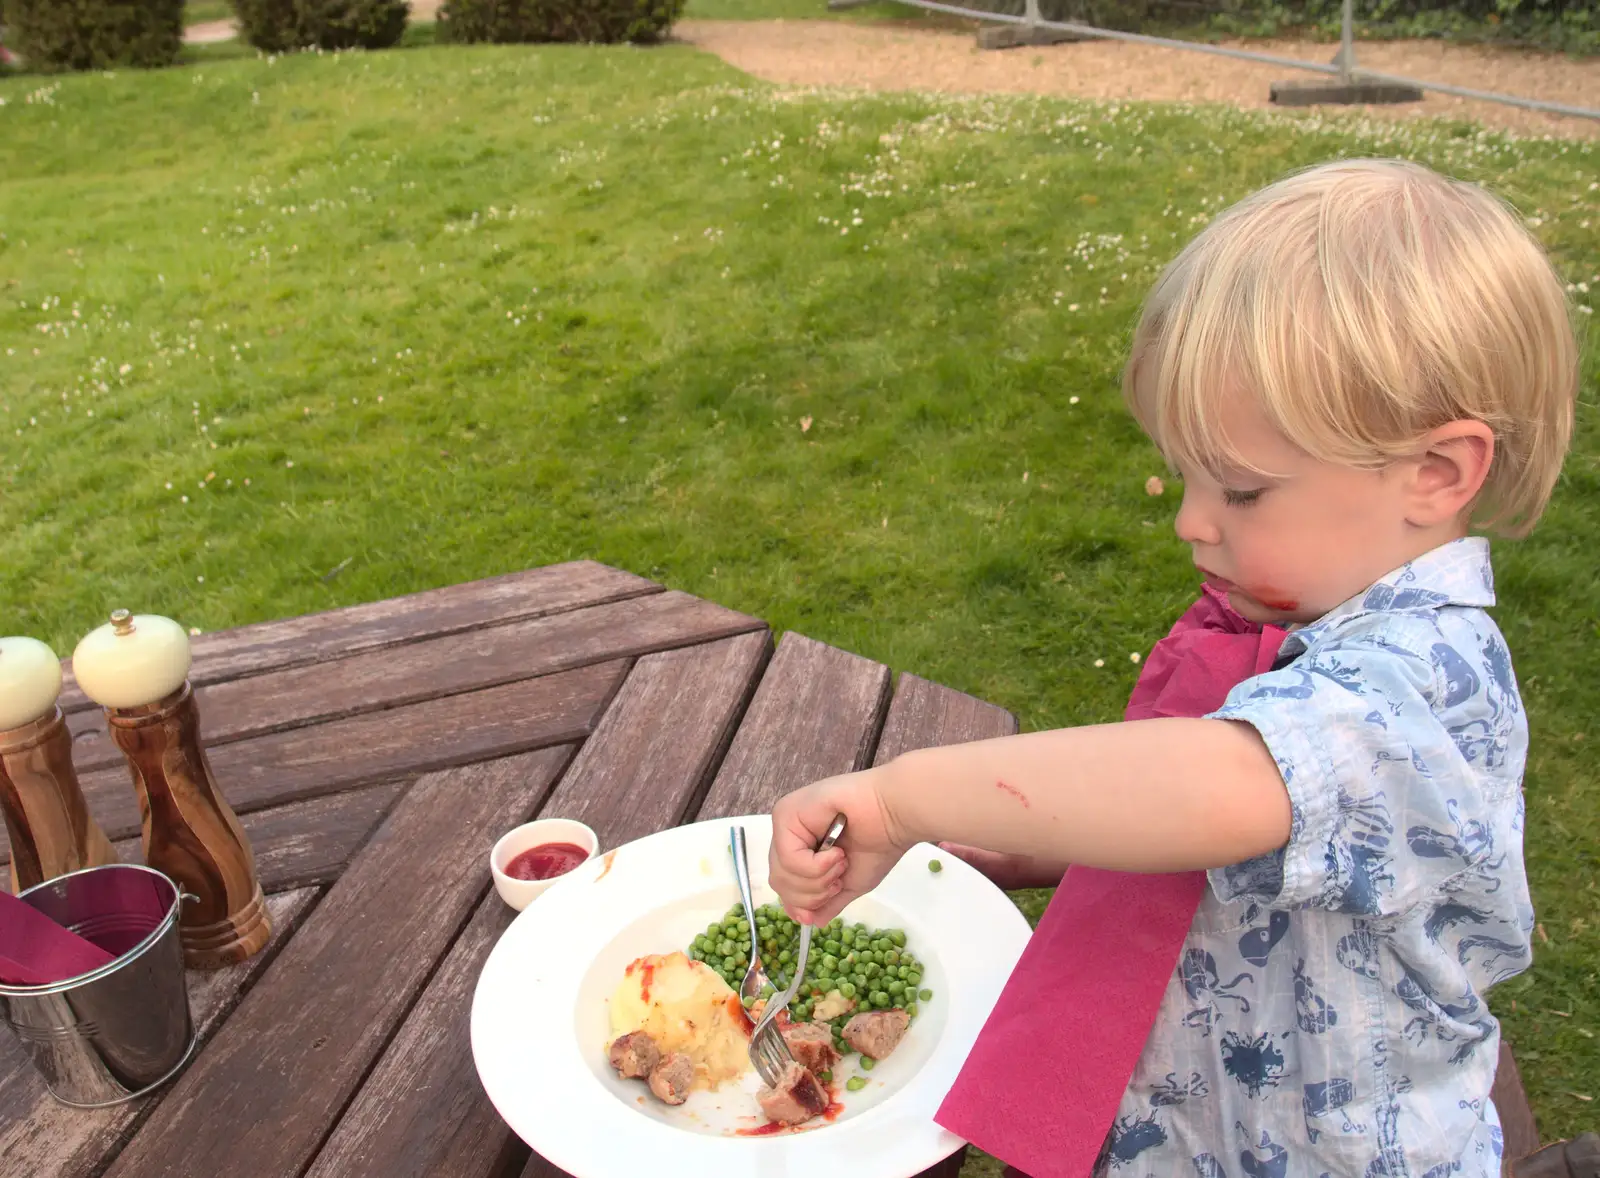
x=1241, y=498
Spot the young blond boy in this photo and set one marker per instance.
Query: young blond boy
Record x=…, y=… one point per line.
x=1351, y=370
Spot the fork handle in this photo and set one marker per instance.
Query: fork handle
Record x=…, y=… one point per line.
x=741, y=872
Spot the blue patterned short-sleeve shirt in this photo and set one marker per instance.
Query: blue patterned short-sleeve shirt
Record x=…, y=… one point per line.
x=1327, y=1016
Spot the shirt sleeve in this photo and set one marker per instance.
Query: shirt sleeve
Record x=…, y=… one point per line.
x=1368, y=763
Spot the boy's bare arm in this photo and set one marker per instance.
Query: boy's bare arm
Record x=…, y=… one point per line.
x=1156, y=795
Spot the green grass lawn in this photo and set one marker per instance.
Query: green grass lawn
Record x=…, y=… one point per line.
x=281, y=335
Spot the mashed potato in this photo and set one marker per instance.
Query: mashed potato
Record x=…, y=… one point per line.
x=684, y=1006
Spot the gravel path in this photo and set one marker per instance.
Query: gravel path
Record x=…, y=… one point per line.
x=874, y=57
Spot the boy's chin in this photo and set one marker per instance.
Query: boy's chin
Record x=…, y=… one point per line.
x=1262, y=613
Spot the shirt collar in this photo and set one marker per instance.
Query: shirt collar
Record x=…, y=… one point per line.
x=1457, y=573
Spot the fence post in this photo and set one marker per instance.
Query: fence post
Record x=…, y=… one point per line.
x=1345, y=59
x=1032, y=31
x=1350, y=87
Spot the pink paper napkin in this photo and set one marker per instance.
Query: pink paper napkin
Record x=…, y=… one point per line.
x=1042, y=1083
x=36, y=951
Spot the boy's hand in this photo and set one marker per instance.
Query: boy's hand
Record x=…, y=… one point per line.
x=815, y=888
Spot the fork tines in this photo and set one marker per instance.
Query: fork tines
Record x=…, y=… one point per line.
x=770, y=1054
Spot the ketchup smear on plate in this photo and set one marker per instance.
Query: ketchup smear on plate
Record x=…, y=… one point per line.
x=546, y=861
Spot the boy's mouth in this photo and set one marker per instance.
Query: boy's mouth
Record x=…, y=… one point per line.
x=1270, y=598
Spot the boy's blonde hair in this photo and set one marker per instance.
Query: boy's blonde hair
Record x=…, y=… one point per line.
x=1362, y=304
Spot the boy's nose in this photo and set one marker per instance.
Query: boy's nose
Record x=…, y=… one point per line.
x=1193, y=524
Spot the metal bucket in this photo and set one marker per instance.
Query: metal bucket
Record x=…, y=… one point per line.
x=119, y=1031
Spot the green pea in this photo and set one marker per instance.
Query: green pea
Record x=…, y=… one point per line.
x=914, y=977
x=730, y=964
x=926, y=995
x=856, y=1083
x=868, y=1063
x=825, y=1077
x=832, y=947
x=785, y=957
x=891, y=958
x=748, y=1001
x=898, y=936
x=873, y=969
x=847, y=989
x=911, y=1009
x=896, y=987
x=767, y=991
x=830, y=962
x=935, y=866
x=880, y=999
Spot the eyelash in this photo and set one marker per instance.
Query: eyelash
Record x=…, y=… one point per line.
x=1240, y=498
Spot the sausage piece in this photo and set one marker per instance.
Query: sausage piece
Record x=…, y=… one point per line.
x=672, y=1078
x=635, y=1055
x=878, y=1032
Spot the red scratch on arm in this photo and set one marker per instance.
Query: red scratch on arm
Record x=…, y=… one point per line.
x=1016, y=793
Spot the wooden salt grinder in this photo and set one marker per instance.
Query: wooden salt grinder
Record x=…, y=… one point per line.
x=137, y=669
x=45, y=814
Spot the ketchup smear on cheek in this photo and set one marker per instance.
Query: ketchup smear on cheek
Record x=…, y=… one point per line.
x=546, y=862
x=1276, y=601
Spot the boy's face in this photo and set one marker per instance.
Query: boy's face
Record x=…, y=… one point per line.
x=1288, y=548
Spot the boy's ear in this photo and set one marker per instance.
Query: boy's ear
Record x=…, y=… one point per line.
x=1449, y=472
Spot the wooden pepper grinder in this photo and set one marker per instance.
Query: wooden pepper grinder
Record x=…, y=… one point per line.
x=46, y=817
x=137, y=669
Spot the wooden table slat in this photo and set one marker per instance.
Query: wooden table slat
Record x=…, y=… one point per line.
x=423, y=1112
x=381, y=746
x=435, y=667
x=273, y=1084
x=301, y=844
x=817, y=713
x=654, y=752
x=311, y=638
x=926, y=715
x=41, y=1138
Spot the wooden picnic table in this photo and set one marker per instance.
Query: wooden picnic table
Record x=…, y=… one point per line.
x=374, y=753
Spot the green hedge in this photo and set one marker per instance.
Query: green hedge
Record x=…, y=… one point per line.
x=1568, y=25
x=280, y=26
x=557, y=20
x=94, y=34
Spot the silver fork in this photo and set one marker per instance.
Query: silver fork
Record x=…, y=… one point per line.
x=755, y=977
x=768, y=1051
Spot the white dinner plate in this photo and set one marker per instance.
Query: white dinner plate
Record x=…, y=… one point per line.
x=541, y=1024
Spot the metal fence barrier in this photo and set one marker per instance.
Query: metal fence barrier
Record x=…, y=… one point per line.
x=1343, y=66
